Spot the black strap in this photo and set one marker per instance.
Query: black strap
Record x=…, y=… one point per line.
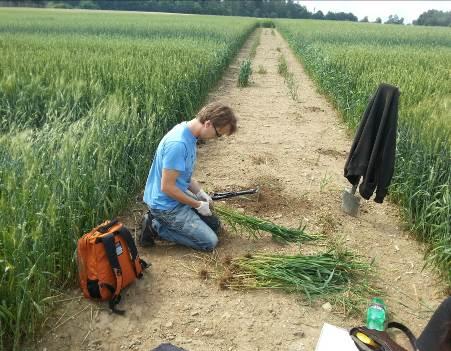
x=112, y=305
x=405, y=330
x=110, y=250
x=103, y=229
x=144, y=264
x=127, y=236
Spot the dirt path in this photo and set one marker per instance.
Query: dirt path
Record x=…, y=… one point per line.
x=295, y=151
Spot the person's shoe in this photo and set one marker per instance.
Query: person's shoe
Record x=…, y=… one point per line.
x=147, y=235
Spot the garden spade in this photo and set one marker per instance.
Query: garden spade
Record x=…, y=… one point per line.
x=351, y=202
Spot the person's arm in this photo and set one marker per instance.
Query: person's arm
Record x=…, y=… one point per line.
x=173, y=164
x=194, y=186
x=197, y=190
x=169, y=187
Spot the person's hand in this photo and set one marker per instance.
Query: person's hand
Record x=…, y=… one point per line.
x=203, y=196
x=204, y=208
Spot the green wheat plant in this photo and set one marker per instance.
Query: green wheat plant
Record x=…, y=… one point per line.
x=253, y=226
x=282, y=66
x=245, y=73
x=84, y=101
x=262, y=70
x=288, y=76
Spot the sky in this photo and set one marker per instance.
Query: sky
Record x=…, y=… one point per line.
x=410, y=10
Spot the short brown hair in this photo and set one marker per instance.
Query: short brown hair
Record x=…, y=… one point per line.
x=219, y=114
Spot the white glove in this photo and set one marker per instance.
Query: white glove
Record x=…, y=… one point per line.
x=204, y=209
x=203, y=196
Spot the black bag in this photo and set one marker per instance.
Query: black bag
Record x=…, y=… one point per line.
x=167, y=347
x=373, y=340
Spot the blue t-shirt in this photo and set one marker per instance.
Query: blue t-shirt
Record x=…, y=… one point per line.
x=176, y=151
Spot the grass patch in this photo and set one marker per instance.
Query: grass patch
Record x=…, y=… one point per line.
x=289, y=78
x=245, y=73
x=282, y=67
x=261, y=70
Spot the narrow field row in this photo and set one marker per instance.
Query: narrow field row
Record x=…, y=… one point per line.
x=348, y=61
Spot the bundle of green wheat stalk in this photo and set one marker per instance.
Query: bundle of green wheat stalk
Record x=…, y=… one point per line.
x=316, y=275
x=253, y=225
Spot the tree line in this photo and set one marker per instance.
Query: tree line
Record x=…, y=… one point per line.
x=247, y=8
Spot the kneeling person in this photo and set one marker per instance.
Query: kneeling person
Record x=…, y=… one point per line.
x=174, y=214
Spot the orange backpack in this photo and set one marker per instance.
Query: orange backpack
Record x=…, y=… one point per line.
x=108, y=261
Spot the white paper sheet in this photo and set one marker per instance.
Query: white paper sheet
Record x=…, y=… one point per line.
x=333, y=338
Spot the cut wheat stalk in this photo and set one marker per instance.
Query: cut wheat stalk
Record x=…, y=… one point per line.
x=339, y=275
x=253, y=226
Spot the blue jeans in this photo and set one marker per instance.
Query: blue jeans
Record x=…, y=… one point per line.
x=185, y=226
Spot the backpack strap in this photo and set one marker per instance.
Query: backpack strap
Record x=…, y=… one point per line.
x=110, y=249
x=405, y=330
x=139, y=264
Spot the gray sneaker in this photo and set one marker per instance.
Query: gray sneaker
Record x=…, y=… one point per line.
x=147, y=235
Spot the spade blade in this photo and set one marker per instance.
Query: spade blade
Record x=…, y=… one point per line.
x=350, y=203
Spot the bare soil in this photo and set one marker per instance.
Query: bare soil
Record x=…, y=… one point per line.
x=295, y=152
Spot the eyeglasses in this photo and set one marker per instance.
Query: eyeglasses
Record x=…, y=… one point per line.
x=216, y=131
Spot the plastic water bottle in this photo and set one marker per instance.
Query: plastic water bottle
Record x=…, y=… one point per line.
x=376, y=314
